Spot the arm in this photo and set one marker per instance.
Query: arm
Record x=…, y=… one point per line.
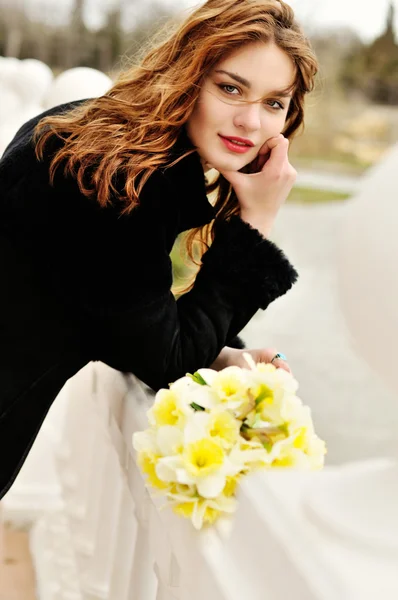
x=162, y=340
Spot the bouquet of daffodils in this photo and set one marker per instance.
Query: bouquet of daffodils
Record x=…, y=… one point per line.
x=211, y=428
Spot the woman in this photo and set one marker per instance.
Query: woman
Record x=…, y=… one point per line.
x=94, y=193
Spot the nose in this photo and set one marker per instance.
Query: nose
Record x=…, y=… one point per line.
x=248, y=116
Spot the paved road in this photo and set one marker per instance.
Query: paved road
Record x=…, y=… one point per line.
x=327, y=181
x=352, y=409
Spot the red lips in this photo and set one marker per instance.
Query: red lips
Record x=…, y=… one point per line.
x=232, y=145
x=238, y=139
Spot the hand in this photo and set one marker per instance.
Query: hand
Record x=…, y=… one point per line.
x=234, y=357
x=263, y=186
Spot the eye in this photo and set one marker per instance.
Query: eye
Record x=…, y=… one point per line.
x=226, y=87
x=279, y=105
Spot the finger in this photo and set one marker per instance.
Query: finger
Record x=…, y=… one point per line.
x=263, y=155
x=271, y=143
x=265, y=148
x=281, y=364
x=278, y=145
x=266, y=151
x=267, y=354
x=279, y=154
x=274, y=157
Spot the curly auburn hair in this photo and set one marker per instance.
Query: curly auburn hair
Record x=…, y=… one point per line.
x=131, y=130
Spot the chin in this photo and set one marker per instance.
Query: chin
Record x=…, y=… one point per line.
x=227, y=165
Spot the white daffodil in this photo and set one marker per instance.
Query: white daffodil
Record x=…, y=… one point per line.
x=190, y=391
x=169, y=440
x=204, y=396
x=205, y=511
x=231, y=386
x=294, y=411
x=219, y=425
x=169, y=408
x=224, y=428
x=302, y=449
x=147, y=461
x=167, y=469
x=275, y=379
x=145, y=441
x=267, y=372
x=249, y=453
x=183, y=384
x=292, y=458
x=208, y=375
x=203, y=463
x=182, y=492
x=196, y=427
x=279, y=408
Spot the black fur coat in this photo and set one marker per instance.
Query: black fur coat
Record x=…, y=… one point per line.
x=81, y=283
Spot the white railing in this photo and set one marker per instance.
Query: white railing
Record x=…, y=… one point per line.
x=113, y=542
x=326, y=536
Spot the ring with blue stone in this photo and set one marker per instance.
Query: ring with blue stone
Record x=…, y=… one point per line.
x=279, y=355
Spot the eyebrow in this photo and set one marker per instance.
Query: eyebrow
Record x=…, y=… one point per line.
x=285, y=93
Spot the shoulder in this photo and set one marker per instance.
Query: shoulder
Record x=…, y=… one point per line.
x=19, y=155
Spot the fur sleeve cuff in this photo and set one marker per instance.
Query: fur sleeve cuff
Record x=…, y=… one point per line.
x=236, y=342
x=249, y=266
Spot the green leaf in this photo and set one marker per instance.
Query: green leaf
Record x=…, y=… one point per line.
x=268, y=446
x=196, y=406
x=197, y=377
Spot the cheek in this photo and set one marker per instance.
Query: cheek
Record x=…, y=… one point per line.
x=209, y=113
x=197, y=121
x=274, y=125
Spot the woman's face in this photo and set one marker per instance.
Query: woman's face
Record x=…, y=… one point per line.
x=256, y=73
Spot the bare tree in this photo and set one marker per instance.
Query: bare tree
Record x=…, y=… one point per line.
x=14, y=21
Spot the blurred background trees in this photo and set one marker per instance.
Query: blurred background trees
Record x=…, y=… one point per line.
x=373, y=69
x=73, y=43
x=350, y=67
x=351, y=118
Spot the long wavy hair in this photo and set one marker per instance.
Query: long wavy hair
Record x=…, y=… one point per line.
x=130, y=131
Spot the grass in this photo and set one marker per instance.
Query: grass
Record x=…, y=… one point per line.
x=303, y=195
x=332, y=162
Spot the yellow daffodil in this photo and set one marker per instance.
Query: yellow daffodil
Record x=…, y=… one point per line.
x=230, y=486
x=187, y=510
x=168, y=409
x=224, y=428
x=263, y=393
x=147, y=461
x=190, y=391
x=182, y=491
x=302, y=449
x=203, y=457
x=231, y=386
x=203, y=511
x=145, y=441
